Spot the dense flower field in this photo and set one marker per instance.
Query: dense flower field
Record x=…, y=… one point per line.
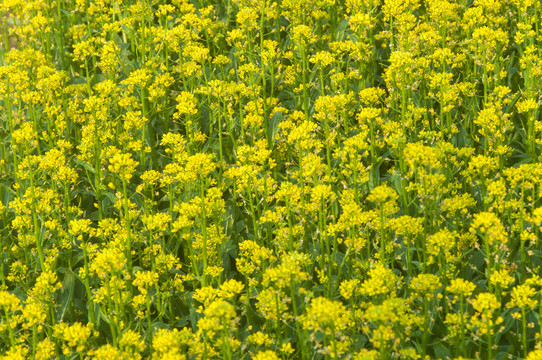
x=261, y=179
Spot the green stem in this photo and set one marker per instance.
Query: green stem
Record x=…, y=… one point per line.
x=489, y=339
x=128, y=226
x=463, y=348
x=524, y=331
x=86, y=281
x=304, y=78
x=203, y=230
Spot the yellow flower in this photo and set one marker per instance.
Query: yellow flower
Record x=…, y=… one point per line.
x=131, y=342
x=123, y=166
x=108, y=261
x=385, y=198
x=144, y=280
x=167, y=344
x=230, y=289
x=288, y=271
x=18, y=352
x=535, y=355
x=501, y=278
x=461, y=287
x=266, y=355
x=526, y=105
x=329, y=317
x=9, y=301
x=272, y=304
x=381, y=281
x=302, y=34
x=106, y=352
x=186, y=104
x=485, y=303
x=441, y=243
x=490, y=228
x=219, y=317
x=34, y=313
x=349, y=288
x=259, y=339
x=75, y=336
x=425, y=285
x=523, y=296
x=45, y=350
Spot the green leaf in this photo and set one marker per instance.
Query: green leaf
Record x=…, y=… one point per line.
x=159, y=325
x=65, y=298
x=341, y=29
x=87, y=166
x=441, y=352
x=274, y=124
